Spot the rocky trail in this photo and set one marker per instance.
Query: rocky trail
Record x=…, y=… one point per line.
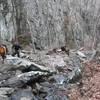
x=60, y=54
x=54, y=76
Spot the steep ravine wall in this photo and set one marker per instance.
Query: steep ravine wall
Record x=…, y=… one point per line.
x=52, y=23
x=7, y=20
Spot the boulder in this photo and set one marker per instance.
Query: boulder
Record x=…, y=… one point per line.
x=22, y=94
x=4, y=92
x=21, y=63
x=22, y=79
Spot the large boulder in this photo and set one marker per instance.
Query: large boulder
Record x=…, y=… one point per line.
x=24, y=78
x=22, y=63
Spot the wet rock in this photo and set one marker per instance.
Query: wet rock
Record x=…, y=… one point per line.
x=23, y=94
x=56, y=97
x=70, y=77
x=72, y=71
x=39, y=91
x=76, y=72
x=4, y=97
x=74, y=76
x=49, y=91
x=58, y=79
x=38, y=86
x=54, y=93
x=6, y=91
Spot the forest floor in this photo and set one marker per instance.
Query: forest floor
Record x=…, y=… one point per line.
x=88, y=87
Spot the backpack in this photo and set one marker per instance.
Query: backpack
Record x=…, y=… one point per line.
x=2, y=50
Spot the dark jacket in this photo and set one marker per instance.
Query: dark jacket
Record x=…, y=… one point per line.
x=16, y=47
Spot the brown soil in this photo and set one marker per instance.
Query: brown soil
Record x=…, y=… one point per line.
x=89, y=86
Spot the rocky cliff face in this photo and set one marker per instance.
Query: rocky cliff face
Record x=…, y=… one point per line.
x=52, y=23
x=7, y=29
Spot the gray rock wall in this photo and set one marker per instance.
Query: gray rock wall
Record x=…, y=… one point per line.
x=52, y=23
x=7, y=20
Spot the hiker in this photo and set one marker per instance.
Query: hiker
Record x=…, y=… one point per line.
x=3, y=51
x=65, y=49
x=16, y=49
